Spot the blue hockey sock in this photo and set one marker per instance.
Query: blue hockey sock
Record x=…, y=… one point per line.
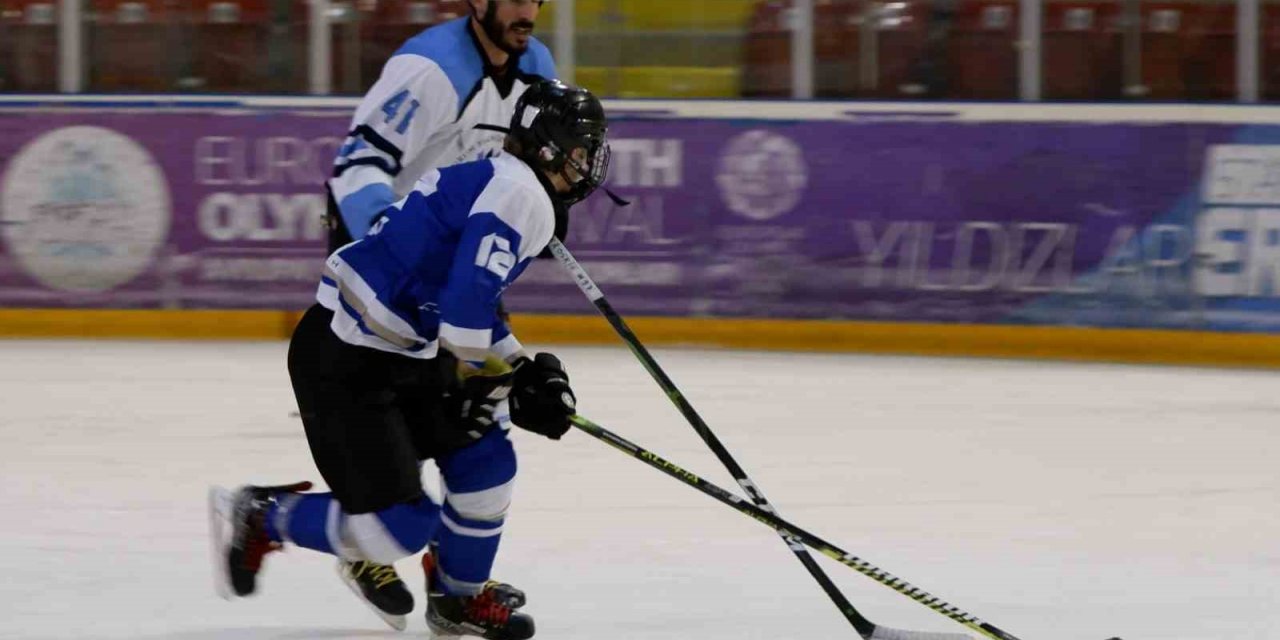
x=478, y=486
x=467, y=549
x=301, y=518
x=316, y=521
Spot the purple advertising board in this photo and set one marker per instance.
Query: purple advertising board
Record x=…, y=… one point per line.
x=932, y=219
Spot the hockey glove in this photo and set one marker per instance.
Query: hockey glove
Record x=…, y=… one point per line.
x=475, y=397
x=541, y=400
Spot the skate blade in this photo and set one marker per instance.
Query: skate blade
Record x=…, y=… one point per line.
x=438, y=632
x=435, y=633
x=397, y=622
x=220, y=513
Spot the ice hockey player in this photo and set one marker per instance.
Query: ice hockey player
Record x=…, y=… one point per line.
x=406, y=332
x=442, y=99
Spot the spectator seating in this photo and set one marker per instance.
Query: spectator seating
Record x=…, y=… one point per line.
x=389, y=24
x=231, y=45
x=966, y=49
x=837, y=42
x=982, y=59
x=244, y=46
x=134, y=45
x=905, y=64
x=955, y=49
x=665, y=15
x=1269, y=67
x=1082, y=51
x=1188, y=51
x=1213, y=72
x=28, y=45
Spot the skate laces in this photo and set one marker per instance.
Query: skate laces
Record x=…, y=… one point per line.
x=487, y=608
x=509, y=596
x=381, y=574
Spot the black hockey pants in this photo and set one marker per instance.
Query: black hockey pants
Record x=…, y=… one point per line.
x=369, y=415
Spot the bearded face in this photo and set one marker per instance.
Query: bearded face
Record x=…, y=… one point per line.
x=509, y=23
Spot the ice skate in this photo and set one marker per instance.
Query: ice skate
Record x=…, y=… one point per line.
x=379, y=587
x=491, y=614
x=238, y=534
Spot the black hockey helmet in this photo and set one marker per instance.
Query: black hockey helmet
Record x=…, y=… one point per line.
x=550, y=121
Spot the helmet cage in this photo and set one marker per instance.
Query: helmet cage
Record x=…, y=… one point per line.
x=591, y=174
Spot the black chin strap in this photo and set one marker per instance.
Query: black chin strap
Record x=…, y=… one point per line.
x=616, y=198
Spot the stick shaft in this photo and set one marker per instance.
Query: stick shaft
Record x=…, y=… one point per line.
x=860, y=623
x=783, y=527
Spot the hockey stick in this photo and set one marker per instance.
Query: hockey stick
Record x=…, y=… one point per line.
x=865, y=628
x=785, y=528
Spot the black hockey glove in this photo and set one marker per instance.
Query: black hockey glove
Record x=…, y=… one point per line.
x=471, y=402
x=541, y=400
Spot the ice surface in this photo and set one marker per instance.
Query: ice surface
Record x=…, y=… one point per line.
x=1056, y=501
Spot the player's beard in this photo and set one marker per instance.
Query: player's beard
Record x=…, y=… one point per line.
x=503, y=35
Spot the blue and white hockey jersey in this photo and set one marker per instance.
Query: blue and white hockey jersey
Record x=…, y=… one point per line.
x=437, y=103
x=430, y=273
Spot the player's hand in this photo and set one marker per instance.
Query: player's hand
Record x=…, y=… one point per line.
x=541, y=400
x=477, y=394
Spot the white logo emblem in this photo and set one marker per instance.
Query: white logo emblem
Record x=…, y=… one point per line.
x=84, y=209
x=495, y=255
x=762, y=174
x=528, y=116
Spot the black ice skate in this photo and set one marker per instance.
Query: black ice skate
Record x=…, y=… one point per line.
x=380, y=587
x=491, y=614
x=238, y=533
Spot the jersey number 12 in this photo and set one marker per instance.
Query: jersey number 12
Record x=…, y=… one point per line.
x=495, y=255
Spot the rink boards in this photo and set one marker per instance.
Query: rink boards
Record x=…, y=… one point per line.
x=1153, y=346
x=1137, y=233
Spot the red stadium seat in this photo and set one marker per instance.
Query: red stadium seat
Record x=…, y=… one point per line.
x=197, y=45
x=232, y=11
x=982, y=62
x=243, y=46
x=33, y=12
x=28, y=45
x=1168, y=42
x=767, y=64
x=1269, y=67
x=905, y=61
x=837, y=41
x=1188, y=51
x=230, y=44
x=1082, y=51
x=767, y=68
x=134, y=45
x=1213, y=71
x=388, y=24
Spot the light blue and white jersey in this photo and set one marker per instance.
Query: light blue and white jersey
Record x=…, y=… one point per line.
x=430, y=273
x=437, y=103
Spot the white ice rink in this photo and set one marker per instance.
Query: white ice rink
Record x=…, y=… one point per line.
x=1056, y=501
